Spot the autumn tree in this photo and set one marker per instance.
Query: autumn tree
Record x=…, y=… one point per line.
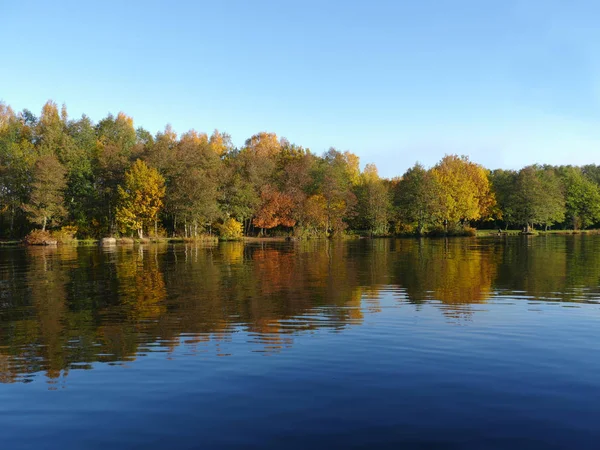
x=294, y=177
x=140, y=198
x=45, y=205
x=464, y=190
x=276, y=209
x=220, y=143
x=314, y=215
x=258, y=158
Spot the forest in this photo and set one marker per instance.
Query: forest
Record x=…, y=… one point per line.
x=73, y=178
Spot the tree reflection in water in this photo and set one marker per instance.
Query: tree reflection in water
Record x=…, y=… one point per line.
x=67, y=308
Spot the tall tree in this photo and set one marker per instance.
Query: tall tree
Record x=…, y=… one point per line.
x=116, y=140
x=276, y=209
x=140, y=198
x=45, y=205
x=336, y=176
x=374, y=201
x=582, y=198
x=81, y=197
x=538, y=197
x=193, y=183
x=417, y=198
x=503, y=184
x=17, y=157
x=465, y=190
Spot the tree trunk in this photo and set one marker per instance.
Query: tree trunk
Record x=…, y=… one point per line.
x=44, y=224
x=155, y=228
x=12, y=220
x=140, y=233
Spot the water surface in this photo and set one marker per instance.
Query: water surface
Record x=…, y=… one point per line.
x=461, y=343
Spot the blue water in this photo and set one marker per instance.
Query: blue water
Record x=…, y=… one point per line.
x=281, y=346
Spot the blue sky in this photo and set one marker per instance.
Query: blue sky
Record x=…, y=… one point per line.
x=508, y=83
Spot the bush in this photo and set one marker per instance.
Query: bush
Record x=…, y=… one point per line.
x=457, y=230
x=404, y=229
x=38, y=237
x=469, y=231
x=66, y=235
x=305, y=233
x=230, y=230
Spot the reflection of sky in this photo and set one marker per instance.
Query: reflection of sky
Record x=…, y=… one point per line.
x=510, y=83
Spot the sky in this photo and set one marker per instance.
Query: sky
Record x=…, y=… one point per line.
x=508, y=83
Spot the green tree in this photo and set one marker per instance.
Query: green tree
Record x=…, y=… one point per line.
x=538, y=198
x=140, y=198
x=336, y=177
x=45, y=205
x=193, y=183
x=17, y=157
x=81, y=196
x=582, y=198
x=374, y=201
x=503, y=185
x=417, y=198
x=116, y=138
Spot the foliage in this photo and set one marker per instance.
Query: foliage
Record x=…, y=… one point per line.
x=45, y=205
x=275, y=209
x=538, y=197
x=140, y=198
x=464, y=190
x=38, y=237
x=374, y=202
x=503, y=184
x=582, y=198
x=65, y=235
x=110, y=176
x=417, y=199
x=230, y=230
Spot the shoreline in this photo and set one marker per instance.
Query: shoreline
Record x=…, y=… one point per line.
x=257, y=239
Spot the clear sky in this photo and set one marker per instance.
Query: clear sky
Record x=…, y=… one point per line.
x=507, y=82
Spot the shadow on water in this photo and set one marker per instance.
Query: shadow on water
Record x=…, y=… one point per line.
x=68, y=308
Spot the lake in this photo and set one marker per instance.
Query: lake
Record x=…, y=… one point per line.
x=474, y=343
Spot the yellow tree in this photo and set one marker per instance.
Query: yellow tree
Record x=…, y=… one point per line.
x=140, y=198
x=465, y=190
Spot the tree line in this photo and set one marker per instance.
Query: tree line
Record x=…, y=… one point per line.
x=112, y=179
